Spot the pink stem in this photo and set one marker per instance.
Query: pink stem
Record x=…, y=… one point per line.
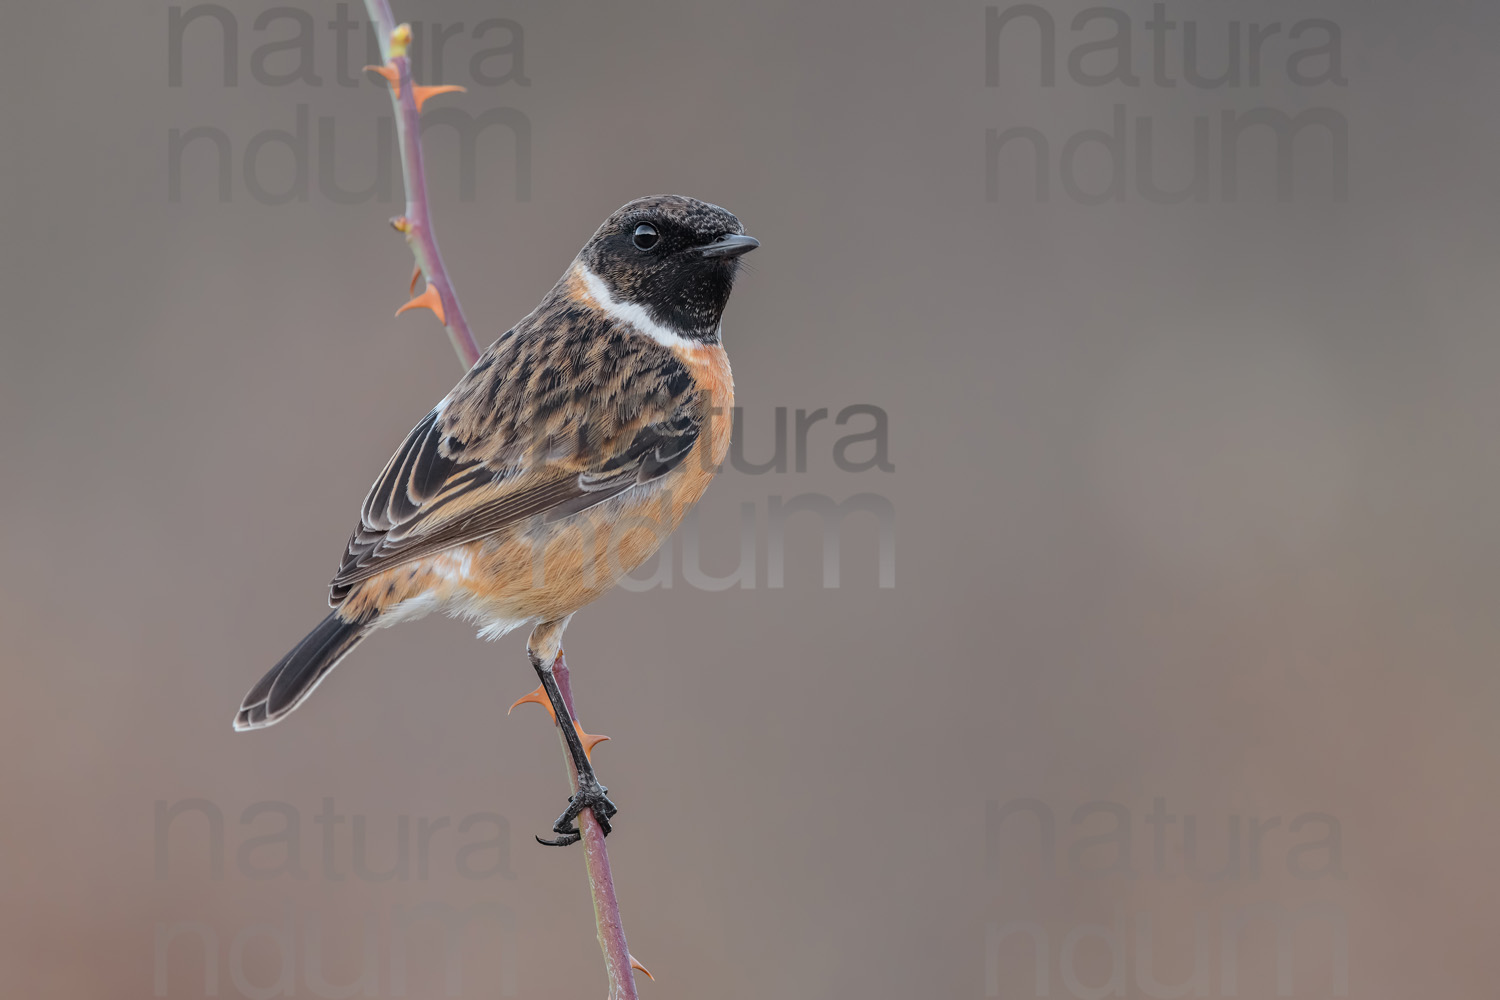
x=419, y=234
x=596, y=857
x=423, y=243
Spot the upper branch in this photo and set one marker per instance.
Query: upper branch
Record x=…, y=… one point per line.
x=416, y=224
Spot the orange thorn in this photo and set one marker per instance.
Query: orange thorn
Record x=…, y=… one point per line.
x=637, y=965
x=589, y=741
x=429, y=299
x=419, y=94
x=387, y=71
x=416, y=272
x=401, y=224
x=539, y=696
x=422, y=93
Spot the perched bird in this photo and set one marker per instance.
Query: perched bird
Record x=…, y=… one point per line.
x=559, y=462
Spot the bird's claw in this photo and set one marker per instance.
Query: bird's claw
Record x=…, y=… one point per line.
x=591, y=795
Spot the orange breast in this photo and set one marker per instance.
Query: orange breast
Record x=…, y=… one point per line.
x=709, y=366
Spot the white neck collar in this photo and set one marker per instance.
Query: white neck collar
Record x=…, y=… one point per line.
x=632, y=314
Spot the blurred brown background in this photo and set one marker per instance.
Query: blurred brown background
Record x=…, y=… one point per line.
x=1194, y=502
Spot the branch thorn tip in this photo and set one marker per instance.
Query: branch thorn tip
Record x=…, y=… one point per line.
x=429, y=299
x=539, y=696
x=422, y=93
x=588, y=740
x=389, y=72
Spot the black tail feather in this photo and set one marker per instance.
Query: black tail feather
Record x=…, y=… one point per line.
x=290, y=682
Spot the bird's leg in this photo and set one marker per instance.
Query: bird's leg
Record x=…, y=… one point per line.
x=590, y=794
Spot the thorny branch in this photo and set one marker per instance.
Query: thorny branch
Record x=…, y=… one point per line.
x=416, y=225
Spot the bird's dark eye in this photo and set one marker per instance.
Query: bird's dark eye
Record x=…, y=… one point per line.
x=645, y=236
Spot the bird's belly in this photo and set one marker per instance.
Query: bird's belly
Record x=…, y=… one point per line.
x=551, y=570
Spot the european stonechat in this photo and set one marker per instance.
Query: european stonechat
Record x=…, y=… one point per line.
x=558, y=464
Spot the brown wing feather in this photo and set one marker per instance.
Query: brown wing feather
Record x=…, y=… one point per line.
x=549, y=422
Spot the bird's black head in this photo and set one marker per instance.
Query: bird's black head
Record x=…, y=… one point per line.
x=672, y=256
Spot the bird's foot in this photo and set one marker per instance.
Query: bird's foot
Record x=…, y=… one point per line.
x=591, y=795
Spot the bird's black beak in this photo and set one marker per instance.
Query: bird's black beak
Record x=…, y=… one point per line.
x=729, y=246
